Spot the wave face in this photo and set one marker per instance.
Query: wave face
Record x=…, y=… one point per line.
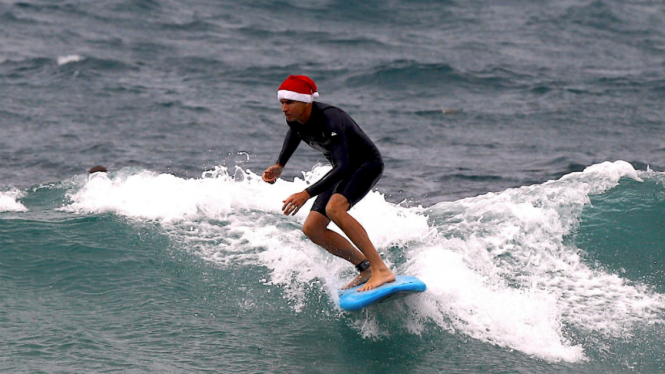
x=559, y=272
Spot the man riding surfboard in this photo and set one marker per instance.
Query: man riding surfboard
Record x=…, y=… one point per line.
x=357, y=166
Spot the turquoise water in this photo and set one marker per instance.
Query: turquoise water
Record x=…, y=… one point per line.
x=627, y=241
x=524, y=184
x=141, y=272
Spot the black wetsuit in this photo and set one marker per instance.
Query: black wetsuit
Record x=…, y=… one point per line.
x=357, y=163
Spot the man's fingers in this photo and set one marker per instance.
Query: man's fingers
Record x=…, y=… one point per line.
x=271, y=174
x=290, y=208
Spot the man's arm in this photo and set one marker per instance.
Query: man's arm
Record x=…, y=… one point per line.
x=291, y=142
x=340, y=161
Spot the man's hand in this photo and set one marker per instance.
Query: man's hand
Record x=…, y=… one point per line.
x=271, y=174
x=294, y=202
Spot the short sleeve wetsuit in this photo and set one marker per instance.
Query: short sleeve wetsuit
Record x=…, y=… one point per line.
x=357, y=163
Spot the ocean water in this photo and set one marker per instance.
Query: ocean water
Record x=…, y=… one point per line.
x=524, y=183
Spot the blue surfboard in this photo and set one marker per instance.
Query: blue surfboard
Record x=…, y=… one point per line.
x=352, y=300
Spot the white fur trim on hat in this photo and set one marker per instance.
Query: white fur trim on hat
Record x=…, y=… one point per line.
x=295, y=96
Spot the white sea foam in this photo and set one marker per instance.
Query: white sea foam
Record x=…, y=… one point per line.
x=500, y=270
x=496, y=266
x=9, y=201
x=63, y=60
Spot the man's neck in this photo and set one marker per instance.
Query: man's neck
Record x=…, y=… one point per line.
x=306, y=114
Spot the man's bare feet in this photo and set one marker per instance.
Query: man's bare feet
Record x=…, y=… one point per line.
x=379, y=278
x=360, y=279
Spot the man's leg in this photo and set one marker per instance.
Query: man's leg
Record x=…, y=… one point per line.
x=337, y=211
x=316, y=229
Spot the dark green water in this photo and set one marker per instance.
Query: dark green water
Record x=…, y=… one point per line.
x=241, y=290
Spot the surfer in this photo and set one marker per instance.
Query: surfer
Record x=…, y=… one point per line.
x=357, y=166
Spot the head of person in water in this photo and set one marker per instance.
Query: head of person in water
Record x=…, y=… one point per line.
x=97, y=169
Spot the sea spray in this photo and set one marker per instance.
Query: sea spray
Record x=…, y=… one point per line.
x=9, y=201
x=499, y=269
x=497, y=266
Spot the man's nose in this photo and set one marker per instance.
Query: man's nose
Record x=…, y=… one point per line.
x=283, y=107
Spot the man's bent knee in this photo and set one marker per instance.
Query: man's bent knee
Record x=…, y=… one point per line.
x=337, y=206
x=310, y=230
x=315, y=225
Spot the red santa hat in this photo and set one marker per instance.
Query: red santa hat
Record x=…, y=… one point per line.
x=298, y=88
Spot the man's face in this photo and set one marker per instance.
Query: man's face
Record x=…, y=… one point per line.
x=295, y=110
